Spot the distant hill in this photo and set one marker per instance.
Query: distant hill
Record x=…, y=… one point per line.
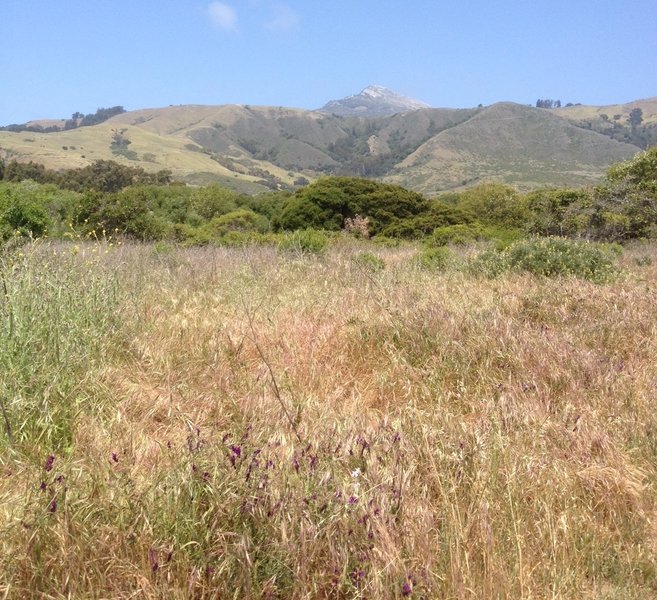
x=255, y=148
x=373, y=101
x=516, y=144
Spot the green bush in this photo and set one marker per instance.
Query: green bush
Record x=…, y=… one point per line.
x=369, y=261
x=550, y=257
x=562, y=257
x=434, y=259
x=22, y=211
x=305, y=241
x=495, y=204
x=457, y=235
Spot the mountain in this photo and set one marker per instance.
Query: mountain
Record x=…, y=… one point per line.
x=523, y=146
x=373, y=101
x=257, y=148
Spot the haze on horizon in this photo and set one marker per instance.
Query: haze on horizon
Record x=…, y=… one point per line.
x=57, y=60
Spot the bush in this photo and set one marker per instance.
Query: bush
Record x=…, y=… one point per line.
x=305, y=241
x=489, y=264
x=495, y=204
x=368, y=261
x=457, y=235
x=22, y=211
x=434, y=259
x=562, y=257
x=550, y=257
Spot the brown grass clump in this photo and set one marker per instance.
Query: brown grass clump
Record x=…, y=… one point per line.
x=249, y=424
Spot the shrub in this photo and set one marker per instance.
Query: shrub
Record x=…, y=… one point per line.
x=550, y=257
x=22, y=211
x=434, y=259
x=489, y=264
x=562, y=257
x=305, y=241
x=495, y=204
x=458, y=235
x=368, y=261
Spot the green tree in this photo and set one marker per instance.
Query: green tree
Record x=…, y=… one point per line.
x=326, y=204
x=494, y=204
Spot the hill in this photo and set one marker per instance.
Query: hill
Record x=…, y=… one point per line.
x=515, y=144
x=255, y=148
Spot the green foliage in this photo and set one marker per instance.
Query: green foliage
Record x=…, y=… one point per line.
x=438, y=215
x=101, y=176
x=305, y=241
x=488, y=264
x=368, y=261
x=457, y=235
x=326, y=204
x=57, y=317
x=495, y=204
x=551, y=257
x=551, y=210
x=562, y=257
x=130, y=212
x=22, y=211
x=640, y=171
x=240, y=220
x=434, y=258
x=213, y=200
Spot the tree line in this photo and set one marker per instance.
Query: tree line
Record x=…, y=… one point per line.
x=77, y=120
x=128, y=201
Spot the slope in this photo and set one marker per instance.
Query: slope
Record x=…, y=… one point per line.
x=512, y=143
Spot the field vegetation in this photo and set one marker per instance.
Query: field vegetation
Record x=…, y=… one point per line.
x=350, y=391
x=266, y=423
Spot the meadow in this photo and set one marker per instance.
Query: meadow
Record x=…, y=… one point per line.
x=248, y=422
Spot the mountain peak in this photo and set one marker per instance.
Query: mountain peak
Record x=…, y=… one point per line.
x=373, y=101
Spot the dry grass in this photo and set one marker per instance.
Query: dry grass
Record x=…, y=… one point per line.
x=254, y=425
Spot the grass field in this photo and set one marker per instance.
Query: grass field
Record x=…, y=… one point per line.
x=246, y=423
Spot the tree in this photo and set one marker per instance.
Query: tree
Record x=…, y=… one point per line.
x=119, y=138
x=326, y=204
x=636, y=118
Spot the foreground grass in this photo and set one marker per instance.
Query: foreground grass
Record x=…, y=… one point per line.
x=238, y=423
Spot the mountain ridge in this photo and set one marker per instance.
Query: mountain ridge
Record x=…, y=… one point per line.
x=256, y=148
x=373, y=101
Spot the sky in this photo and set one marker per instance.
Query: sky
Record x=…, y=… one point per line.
x=61, y=57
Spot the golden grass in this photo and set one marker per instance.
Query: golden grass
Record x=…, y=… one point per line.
x=267, y=426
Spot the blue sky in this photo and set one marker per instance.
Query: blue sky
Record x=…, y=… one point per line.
x=60, y=57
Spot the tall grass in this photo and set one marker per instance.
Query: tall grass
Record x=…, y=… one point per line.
x=249, y=423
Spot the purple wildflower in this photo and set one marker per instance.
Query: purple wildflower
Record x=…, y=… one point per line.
x=407, y=589
x=42, y=487
x=353, y=500
x=152, y=559
x=115, y=457
x=295, y=462
x=52, y=507
x=49, y=462
x=236, y=450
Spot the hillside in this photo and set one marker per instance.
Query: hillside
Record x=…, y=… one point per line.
x=524, y=146
x=429, y=150
x=580, y=112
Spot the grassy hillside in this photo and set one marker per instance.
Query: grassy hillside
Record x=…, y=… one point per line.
x=515, y=144
x=249, y=423
x=584, y=112
x=258, y=148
